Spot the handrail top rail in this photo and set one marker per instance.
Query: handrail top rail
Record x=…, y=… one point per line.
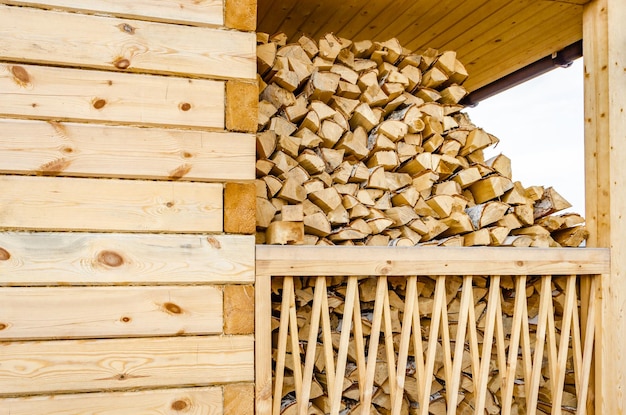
x=306, y=260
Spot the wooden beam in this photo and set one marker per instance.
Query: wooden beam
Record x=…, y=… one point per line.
x=263, y=341
x=64, y=94
x=52, y=203
x=240, y=14
x=100, y=312
x=205, y=400
x=238, y=309
x=44, y=258
x=91, y=150
x=605, y=149
x=242, y=102
x=239, y=399
x=240, y=208
x=117, y=364
x=190, y=12
x=71, y=39
x=359, y=260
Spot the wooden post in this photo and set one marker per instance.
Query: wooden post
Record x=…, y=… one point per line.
x=605, y=152
x=263, y=342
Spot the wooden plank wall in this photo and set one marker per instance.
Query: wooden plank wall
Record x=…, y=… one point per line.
x=127, y=206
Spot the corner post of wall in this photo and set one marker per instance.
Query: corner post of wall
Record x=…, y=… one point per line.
x=604, y=37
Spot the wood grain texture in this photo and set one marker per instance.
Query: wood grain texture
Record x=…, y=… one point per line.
x=91, y=150
x=238, y=309
x=71, y=39
x=99, y=312
x=605, y=147
x=96, y=365
x=263, y=344
x=199, y=401
x=51, y=203
x=242, y=106
x=359, y=260
x=240, y=14
x=239, y=399
x=240, y=208
x=72, y=94
x=191, y=12
x=87, y=259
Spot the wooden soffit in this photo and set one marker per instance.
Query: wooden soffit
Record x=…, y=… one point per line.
x=493, y=38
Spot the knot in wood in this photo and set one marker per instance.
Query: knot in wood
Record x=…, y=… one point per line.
x=214, y=242
x=121, y=63
x=99, y=103
x=126, y=319
x=519, y=263
x=180, y=405
x=185, y=106
x=3, y=326
x=172, y=308
x=110, y=258
x=4, y=255
x=126, y=28
x=20, y=75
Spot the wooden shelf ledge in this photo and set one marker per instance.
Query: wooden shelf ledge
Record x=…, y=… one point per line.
x=277, y=260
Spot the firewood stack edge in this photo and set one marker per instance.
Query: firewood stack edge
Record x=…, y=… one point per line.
x=365, y=143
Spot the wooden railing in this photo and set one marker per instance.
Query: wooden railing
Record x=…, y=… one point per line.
x=498, y=329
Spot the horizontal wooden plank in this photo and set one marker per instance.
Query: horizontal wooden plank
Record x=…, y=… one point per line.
x=99, y=312
x=109, y=97
x=118, y=364
x=53, y=203
x=346, y=260
x=44, y=258
x=202, y=401
x=92, y=150
x=71, y=39
x=190, y=12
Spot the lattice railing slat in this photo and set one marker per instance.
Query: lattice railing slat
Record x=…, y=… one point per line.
x=588, y=349
x=459, y=347
x=405, y=340
x=483, y=378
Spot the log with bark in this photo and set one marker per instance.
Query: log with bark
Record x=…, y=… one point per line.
x=371, y=141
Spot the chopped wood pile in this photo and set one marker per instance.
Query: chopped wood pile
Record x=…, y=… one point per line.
x=364, y=143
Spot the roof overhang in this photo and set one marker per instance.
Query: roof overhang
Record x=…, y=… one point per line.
x=500, y=42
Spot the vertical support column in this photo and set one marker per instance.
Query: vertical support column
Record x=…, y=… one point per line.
x=263, y=341
x=604, y=35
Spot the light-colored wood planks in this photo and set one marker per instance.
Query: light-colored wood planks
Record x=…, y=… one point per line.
x=190, y=12
x=95, y=365
x=100, y=312
x=90, y=150
x=51, y=203
x=360, y=260
x=87, y=259
x=70, y=39
x=72, y=94
x=202, y=401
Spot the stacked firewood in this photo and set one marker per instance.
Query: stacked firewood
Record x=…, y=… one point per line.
x=336, y=292
x=365, y=143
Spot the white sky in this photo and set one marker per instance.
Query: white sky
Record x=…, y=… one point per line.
x=540, y=127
